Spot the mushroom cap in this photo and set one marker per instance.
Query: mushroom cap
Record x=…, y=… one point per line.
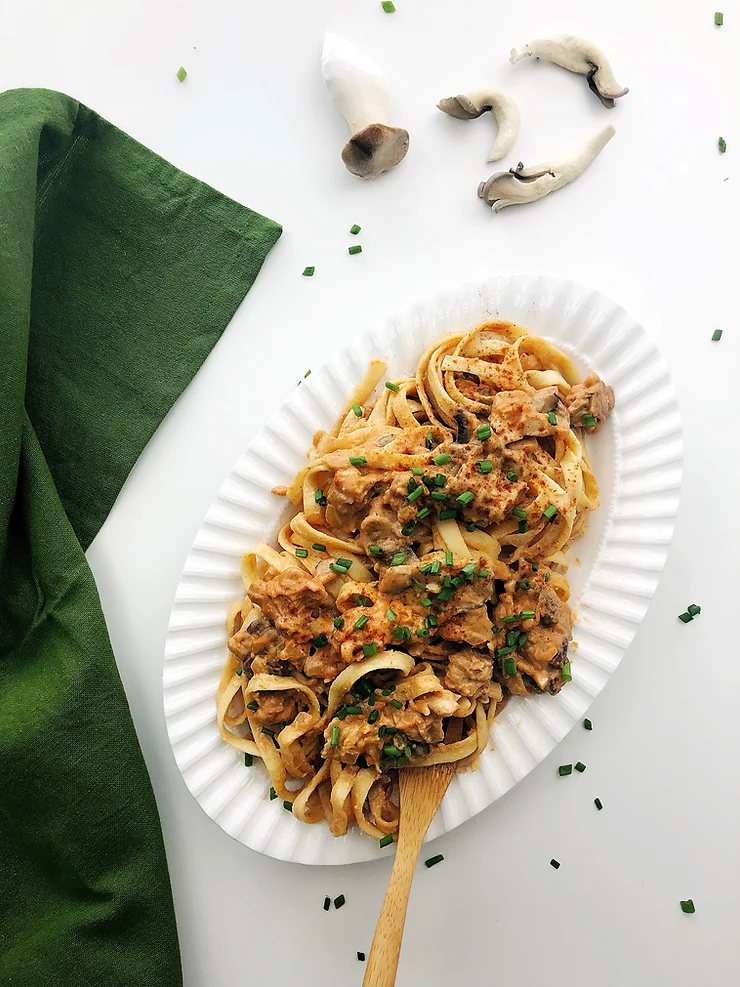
x=375, y=149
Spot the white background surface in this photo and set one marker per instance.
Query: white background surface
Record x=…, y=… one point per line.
x=654, y=224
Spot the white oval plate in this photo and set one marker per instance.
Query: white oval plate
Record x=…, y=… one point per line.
x=637, y=459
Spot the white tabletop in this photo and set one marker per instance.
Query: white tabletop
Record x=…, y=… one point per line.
x=654, y=224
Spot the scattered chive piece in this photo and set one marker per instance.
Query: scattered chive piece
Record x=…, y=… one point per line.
x=465, y=498
x=442, y=459
x=550, y=512
x=440, y=479
x=391, y=751
x=567, y=673
x=355, y=229
x=335, y=736
x=381, y=731
x=339, y=901
x=339, y=623
x=318, y=548
x=693, y=609
x=375, y=550
x=555, y=863
x=588, y=725
x=552, y=418
x=320, y=641
x=364, y=601
x=373, y=717
x=565, y=769
x=483, y=432
x=399, y=558
x=357, y=249
x=722, y=145
x=288, y=805
x=433, y=622
x=719, y=18
x=522, y=527
x=392, y=387
x=716, y=335
x=319, y=496
x=301, y=553
x=361, y=621
x=547, y=577
x=483, y=574
x=469, y=526
x=408, y=528
x=407, y=751
x=239, y=671
x=580, y=766
x=535, y=566
x=439, y=495
x=521, y=640
x=597, y=803
x=388, y=690
x=386, y=841
x=371, y=699
x=327, y=904
x=253, y=705
x=685, y=617
x=357, y=409
x=511, y=475
x=388, y=6
x=469, y=569
x=425, y=601
x=397, y=703
x=430, y=440
x=248, y=760
x=358, y=461
x=273, y=794
x=400, y=633
x=484, y=466
x=589, y=421
x=181, y=74
x=308, y=272
x=417, y=471
x=415, y=494
x=434, y=860
x=519, y=513
x=345, y=563
x=509, y=618
x=447, y=515
x=687, y=907
x=268, y=732
x=525, y=584
x=510, y=666
x=352, y=710
x=505, y=651
x=511, y=638
x=390, y=614
x=369, y=649
x=360, y=956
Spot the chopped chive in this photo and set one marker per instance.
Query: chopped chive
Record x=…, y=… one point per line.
x=597, y=803
x=397, y=703
x=509, y=618
x=550, y=512
x=535, y=566
x=345, y=563
x=364, y=601
x=719, y=18
x=465, y=498
x=371, y=699
x=373, y=717
x=565, y=769
x=399, y=558
x=248, y=760
x=440, y=479
x=386, y=841
x=357, y=409
x=588, y=725
x=430, y=440
x=555, y=863
x=505, y=651
x=552, y=418
x=181, y=74
x=382, y=731
x=447, y=515
x=352, y=710
x=517, y=512
x=525, y=584
x=716, y=335
x=437, y=858
x=521, y=640
x=445, y=595
x=567, y=673
x=339, y=623
x=327, y=904
x=685, y=617
x=483, y=432
x=360, y=956
x=318, y=495
x=318, y=548
x=580, y=766
x=510, y=666
x=407, y=751
x=439, y=495
x=433, y=622
x=469, y=526
x=400, y=633
x=425, y=601
x=390, y=614
x=469, y=569
x=358, y=461
x=355, y=229
x=308, y=272
x=415, y=494
x=288, y=805
x=357, y=249
x=388, y=6
x=273, y=794
x=483, y=574
x=341, y=712
x=722, y=145
x=320, y=640
x=268, y=732
x=589, y=421
x=442, y=459
x=391, y=751
x=339, y=901
x=254, y=706
x=335, y=736
x=370, y=649
x=484, y=466
x=417, y=471
x=526, y=615
x=547, y=577
x=408, y=528
x=511, y=475
x=693, y=609
x=239, y=670
x=687, y=907
x=392, y=387
x=361, y=621
x=375, y=550
x=522, y=527
x=301, y=553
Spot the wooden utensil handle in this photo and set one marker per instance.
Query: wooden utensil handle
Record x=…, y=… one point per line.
x=382, y=962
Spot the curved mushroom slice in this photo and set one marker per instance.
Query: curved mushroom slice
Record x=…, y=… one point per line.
x=504, y=110
x=577, y=55
x=520, y=184
x=359, y=89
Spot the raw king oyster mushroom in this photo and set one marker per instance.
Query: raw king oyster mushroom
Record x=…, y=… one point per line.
x=504, y=110
x=509, y=188
x=577, y=55
x=359, y=89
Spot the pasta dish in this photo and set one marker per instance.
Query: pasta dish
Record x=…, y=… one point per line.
x=421, y=580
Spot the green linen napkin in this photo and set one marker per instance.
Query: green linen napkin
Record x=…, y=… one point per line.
x=118, y=273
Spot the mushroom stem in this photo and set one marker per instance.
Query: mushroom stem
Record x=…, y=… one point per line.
x=576, y=55
x=520, y=184
x=504, y=110
x=359, y=89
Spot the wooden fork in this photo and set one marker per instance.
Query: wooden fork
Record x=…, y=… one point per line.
x=422, y=789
